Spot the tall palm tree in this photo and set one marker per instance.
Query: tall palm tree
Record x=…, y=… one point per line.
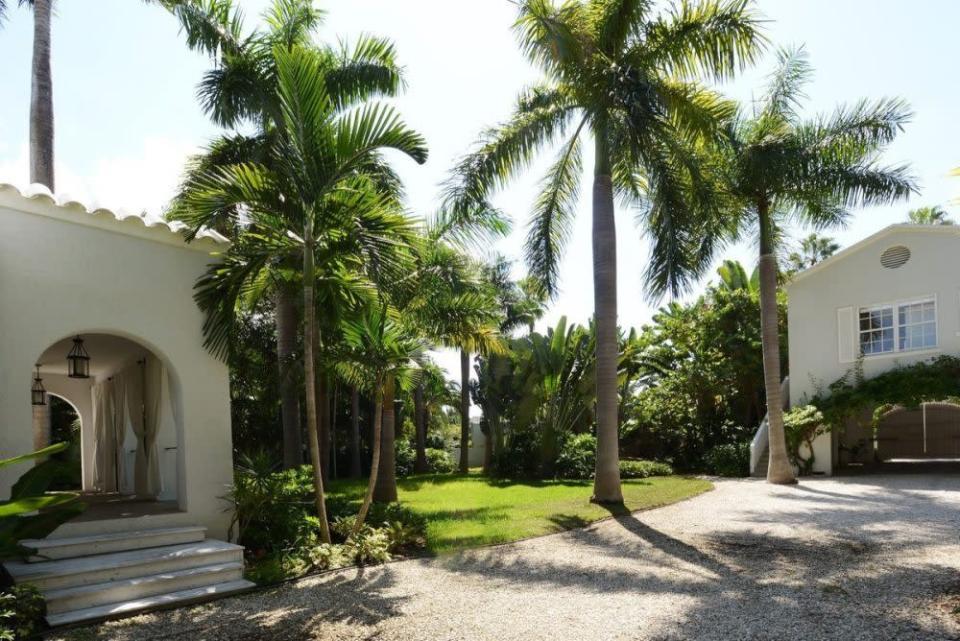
x=41, y=93
x=623, y=72
x=934, y=215
x=315, y=195
x=384, y=353
x=779, y=167
x=241, y=90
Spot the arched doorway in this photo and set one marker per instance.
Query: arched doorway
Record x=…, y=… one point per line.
x=129, y=427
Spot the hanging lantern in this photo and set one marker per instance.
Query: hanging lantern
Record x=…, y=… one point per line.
x=78, y=361
x=38, y=394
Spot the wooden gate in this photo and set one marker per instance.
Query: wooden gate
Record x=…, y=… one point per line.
x=930, y=432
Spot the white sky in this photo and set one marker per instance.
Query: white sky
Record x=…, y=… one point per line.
x=126, y=114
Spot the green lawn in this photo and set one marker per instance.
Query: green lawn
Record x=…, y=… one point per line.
x=469, y=511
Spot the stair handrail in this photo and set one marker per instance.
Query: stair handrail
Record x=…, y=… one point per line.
x=759, y=442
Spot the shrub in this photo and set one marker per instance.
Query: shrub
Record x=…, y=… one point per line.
x=406, y=456
x=271, y=507
x=369, y=546
x=578, y=457
x=21, y=613
x=520, y=458
x=439, y=461
x=327, y=556
x=730, y=459
x=639, y=469
x=802, y=425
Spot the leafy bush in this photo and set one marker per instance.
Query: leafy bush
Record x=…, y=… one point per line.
x=730, y=459
x=520, y=457
x=369, y=546
x=578, y=457
x=406, y=456
x=21, y=613
x=801, y=425
x=638, y=469
x=327, y=556
x=439, y=461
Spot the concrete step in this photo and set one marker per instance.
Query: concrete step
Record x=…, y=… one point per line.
x=88, y=570
x=68, y=548
x=136, y=588
x=168, y=600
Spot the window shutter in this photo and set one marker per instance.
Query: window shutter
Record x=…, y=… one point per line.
x=846, y=334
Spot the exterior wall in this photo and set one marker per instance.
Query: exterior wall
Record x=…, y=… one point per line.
x=855, y=278
x=77, y=392
x=59, y=278
x=477, y=447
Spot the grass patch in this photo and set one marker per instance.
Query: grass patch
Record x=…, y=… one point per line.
x=468, y=511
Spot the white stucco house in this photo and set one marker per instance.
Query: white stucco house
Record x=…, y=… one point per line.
x=154, y=405
x=892, y=298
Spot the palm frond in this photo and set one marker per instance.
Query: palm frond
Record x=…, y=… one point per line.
x=712, y=38
x=291, y=22
x=785, y=86
x=367, y=69
x=617, y=22
x=553, y=214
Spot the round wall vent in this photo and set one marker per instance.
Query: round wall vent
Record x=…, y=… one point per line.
x=894, y=257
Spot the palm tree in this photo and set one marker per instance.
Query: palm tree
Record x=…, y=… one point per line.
x=384, y=353
x=622, y=72
x=813, y=249
x=241, y=89
x=779, y=167
x=41, y=93
x=935, y=215
x=315, y=195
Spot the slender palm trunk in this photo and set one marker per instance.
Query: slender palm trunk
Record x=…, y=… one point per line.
x=606, y=484
x=464, y=411
x=375, y=459
x=323, y=425
x=333, y=430
x=310, y=367
x=385, y=489
x=285, y=317
x=488, y=449
x=420, y=464
x=356, y=469
x=41, y=98
x=779, y=469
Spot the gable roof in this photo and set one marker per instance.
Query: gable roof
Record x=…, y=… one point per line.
x=37, y=199
x=872, y=239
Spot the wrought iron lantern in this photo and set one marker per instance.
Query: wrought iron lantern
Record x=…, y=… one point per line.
x=38, y=394
x=78, y=361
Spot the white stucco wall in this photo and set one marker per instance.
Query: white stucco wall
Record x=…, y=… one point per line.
x=64, y=271
x=855, y=278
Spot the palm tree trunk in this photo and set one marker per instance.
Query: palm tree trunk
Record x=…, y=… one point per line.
x=356, y=469
x=310, y=367
x=606, y=484
x=420, y=464
x=323, y=425
x=464, y=411
x=41, y=98
x=285, y=317
x=333, y=429
x=385, y=489
x=375, y=460
x=779, y=469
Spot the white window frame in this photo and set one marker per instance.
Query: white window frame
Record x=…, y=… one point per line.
x=896, y=305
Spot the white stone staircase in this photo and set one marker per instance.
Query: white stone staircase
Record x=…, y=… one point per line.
x=103, y=576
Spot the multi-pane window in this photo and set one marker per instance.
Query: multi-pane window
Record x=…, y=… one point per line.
x=898, y=328
x=918, y=325
x=876, y=330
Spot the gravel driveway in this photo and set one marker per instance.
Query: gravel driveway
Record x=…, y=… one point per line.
x=874, y=557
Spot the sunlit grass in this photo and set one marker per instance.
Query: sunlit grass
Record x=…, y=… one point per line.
x=467, y=511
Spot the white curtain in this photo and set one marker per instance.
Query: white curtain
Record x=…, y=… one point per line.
x=107, y=452
x=146, y=426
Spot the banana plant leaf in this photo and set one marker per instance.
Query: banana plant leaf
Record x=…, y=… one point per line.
x=47, y=451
